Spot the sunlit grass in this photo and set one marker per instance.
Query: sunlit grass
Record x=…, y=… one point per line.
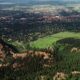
x=49, y=40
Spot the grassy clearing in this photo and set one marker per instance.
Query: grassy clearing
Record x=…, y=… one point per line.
x=49, y=40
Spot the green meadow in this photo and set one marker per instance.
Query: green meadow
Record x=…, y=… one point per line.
x=44, y=42
x=51, y=39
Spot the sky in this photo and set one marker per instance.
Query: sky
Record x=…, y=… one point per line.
x=25, y=1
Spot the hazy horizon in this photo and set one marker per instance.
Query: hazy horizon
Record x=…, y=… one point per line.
x=26, y=1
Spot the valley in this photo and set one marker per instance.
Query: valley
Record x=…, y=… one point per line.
x=40, y=40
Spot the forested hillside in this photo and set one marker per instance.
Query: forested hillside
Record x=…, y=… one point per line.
x=40, y=40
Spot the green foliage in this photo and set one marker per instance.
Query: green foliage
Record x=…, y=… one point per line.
x=44, y=42
x=64, y=61
x=49, y=40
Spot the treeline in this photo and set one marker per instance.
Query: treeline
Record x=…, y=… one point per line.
x=31, y=26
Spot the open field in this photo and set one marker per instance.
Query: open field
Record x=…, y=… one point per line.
x=49, y=40
x=44, y=42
